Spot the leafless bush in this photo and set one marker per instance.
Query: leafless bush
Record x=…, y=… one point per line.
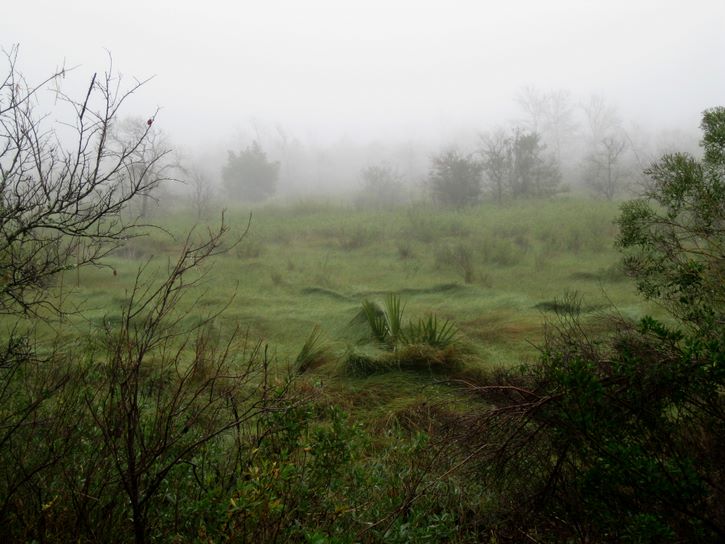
x=62, y=195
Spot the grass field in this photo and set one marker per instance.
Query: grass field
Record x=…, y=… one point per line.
x=495, y=272
x=345, y=412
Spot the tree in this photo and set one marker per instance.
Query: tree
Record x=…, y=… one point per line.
x=382, y=187
x=61, y=196
x=201, y=192
x=673, y=236
x=497, y=154
x=533, y=174
x=249, y=175
x=601, y=118
x=152, y=157
x=607, y=144
x=605, y=172
x=516, y=165
x=549, y=114
x=455, y=180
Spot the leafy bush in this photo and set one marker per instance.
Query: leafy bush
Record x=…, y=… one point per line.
x=619, y=437
x=673, y=236
x=432, y=333
x=385, y=322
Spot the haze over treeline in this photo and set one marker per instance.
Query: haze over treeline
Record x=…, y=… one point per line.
x=329, y=88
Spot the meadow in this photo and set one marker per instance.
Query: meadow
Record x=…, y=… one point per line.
x=497, y=273
x=328, y=374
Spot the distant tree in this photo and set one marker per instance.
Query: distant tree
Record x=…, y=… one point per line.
x=605, y=172
x=249, y=175
x=517, y=165
x=455, y=179
x=497, y=159
x=201, y=191
x=533, y=173
x=152, y=157
x=601, y=118
x=551, y=115
x=382, y=187
x=607, y=145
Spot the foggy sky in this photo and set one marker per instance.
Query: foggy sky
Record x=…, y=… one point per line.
x=378, y=69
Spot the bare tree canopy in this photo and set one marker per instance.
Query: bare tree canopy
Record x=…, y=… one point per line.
x=64, y=183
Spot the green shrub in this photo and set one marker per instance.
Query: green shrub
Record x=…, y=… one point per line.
x=619, y=436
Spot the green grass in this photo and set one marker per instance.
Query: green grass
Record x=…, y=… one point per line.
x=494, y=272
x=457, y=298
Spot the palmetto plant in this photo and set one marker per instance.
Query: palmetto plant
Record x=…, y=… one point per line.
x=432, y=332
x=385, y=321
x=387, y=327
x=314, y=352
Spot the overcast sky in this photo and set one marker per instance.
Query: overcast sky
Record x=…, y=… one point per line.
x=379, y=69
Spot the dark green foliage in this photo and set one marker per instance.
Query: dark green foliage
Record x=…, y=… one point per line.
x=673, y=237
x=455, y=180
x=620, y=437
x=249, y=176
x=620, y=440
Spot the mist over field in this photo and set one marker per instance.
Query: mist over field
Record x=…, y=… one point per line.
x=359, y=272
x=337, y=86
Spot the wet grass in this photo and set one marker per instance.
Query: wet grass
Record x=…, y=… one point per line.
x=495, y=272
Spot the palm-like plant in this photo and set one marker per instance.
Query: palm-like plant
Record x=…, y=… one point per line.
x=386, y=321
x=432, y=332
x=387, y=327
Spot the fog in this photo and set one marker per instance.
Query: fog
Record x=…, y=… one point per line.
x=326, y=83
